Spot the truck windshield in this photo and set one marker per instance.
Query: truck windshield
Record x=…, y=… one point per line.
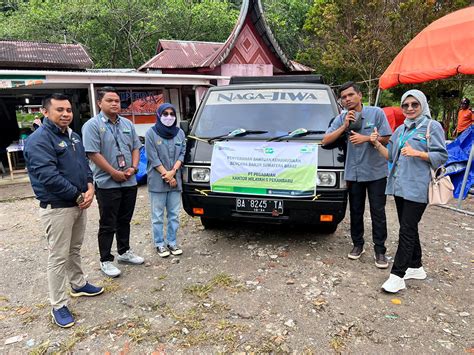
x=277, y=111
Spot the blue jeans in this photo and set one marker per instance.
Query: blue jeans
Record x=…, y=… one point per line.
x=172, y=201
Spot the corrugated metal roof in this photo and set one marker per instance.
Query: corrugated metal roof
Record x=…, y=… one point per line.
x=181, y=54
x=23, y=54
x=300, y=67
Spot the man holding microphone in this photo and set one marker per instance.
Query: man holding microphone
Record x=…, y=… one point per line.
x=365, y=170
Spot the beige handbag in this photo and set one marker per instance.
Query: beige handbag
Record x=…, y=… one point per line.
x=440, y=188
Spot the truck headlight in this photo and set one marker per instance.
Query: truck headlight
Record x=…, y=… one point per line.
x=200, y=174
x=326, y=179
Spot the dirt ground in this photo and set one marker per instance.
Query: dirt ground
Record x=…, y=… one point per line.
x=244, y=288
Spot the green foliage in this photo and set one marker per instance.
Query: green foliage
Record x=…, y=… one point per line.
x=25, y=118
x=118, y=33
x=286, y=19
x=357, y=39
x=341, y=39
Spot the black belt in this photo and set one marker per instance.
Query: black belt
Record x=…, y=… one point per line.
x=58, y=204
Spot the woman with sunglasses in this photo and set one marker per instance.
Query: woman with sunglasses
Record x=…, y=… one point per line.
x=165, y=146
x=408, y=181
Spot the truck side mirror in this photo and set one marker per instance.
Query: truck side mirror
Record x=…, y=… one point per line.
x=184, y=125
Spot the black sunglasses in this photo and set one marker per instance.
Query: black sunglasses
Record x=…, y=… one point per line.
x=414, y=105
x=166, y=114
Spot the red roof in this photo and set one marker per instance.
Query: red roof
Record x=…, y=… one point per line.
x=209, y=55
x=181, y=54
x=23, y=54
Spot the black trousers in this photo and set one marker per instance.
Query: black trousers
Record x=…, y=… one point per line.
x=409, y=247
x=116, y=208
x=377, y=199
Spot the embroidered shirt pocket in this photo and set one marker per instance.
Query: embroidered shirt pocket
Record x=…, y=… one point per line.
x=368, y=127
x=420, y=138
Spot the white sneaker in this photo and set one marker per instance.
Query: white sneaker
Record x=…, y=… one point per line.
x=417, y=274
x=394, y=284
x=130, y=258
x=109, y=269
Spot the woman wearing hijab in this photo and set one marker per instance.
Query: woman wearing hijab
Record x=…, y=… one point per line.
x=408, y=181
x=165, y=146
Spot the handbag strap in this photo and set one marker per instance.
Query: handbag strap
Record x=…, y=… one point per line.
x=428, y=142
x=428, y=135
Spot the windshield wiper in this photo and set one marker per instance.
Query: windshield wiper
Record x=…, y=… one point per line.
x=240, y=132
x=299, y=132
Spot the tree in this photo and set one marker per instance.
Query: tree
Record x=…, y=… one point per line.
x=357, y=39
x=118, y=33
x=286, y=19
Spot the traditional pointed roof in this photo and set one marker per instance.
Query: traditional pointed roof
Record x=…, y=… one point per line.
x=251, y=31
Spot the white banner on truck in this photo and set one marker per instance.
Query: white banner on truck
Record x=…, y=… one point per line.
x=269, y=96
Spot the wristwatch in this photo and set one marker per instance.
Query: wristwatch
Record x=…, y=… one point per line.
x=135, y=168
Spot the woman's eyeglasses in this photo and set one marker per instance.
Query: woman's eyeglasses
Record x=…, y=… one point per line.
x=414, y=105
x=166, y=114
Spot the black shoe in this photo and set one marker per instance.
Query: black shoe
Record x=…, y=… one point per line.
x=175, y=250
x=381, y=261
x=356, y=252
x=163, y=252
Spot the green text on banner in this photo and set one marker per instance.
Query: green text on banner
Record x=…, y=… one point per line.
x=264, y=168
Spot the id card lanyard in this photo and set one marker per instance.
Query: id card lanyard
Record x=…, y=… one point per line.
x=114, y=134
x=406, y=137
x=403, y=139
x=120, y=157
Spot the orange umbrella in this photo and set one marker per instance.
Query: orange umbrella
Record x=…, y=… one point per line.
x=443, y=49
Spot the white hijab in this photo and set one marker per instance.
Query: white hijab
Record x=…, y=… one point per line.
x=421, y=98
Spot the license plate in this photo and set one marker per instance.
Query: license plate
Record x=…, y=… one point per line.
x=259, y=205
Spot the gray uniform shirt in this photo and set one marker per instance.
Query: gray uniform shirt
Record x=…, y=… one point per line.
x=166, y=152
x=102, y=136
x=410, y=176
x=363, y=162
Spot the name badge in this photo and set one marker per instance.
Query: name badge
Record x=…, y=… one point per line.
x=121, y=161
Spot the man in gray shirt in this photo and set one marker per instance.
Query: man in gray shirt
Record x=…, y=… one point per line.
x=112, y=146
x=365, y=170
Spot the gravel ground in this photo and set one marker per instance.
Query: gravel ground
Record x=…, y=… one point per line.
x=241, y=288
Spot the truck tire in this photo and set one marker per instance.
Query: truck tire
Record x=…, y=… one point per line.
x=210, y=223
x=327, y=228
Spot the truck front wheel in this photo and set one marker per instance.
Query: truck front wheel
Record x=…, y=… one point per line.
x=327, y=228
x=210, y=223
